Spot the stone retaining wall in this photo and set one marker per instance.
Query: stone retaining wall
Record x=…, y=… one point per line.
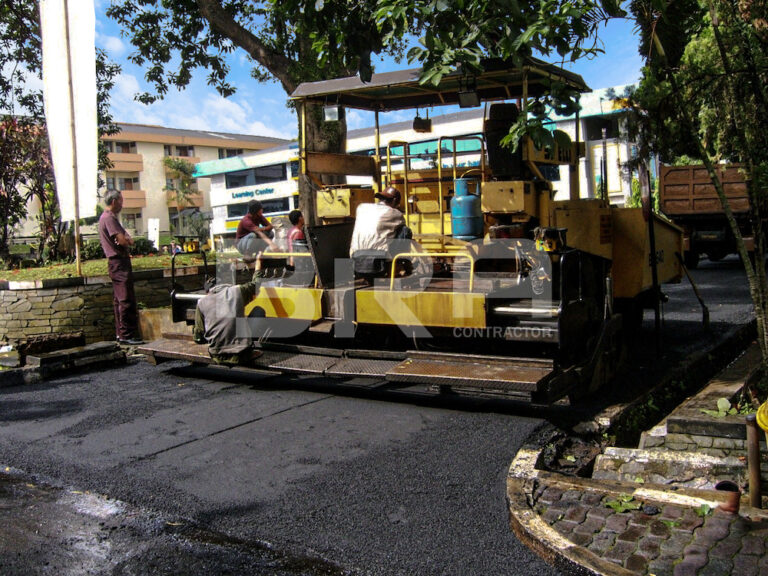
x=67, y=305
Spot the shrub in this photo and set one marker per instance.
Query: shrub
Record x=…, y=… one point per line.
x=92, y=250
x=143, y=246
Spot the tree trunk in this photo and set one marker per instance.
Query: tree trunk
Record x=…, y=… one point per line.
x=321, y=136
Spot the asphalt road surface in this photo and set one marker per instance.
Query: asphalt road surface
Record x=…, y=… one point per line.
x=162, y=470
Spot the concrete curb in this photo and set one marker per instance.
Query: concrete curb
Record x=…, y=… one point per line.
x=531, y=530
x=42, y=366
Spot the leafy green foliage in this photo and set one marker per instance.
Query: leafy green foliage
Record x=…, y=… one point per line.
x=463, y=34
x=704, y=95
x=20, y=58
x=725, y=408
x=92, y=250
x=703, y=510
x=183, y=186
x=623, y=503
x=290, y=41
x=199, y=226
x=25, y=160
x=17, y=155
x=635, y=199
x=143, y=246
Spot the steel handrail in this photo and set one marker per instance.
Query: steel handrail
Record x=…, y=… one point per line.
x=406, y=147
x=431, y=255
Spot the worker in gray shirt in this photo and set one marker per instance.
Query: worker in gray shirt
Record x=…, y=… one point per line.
x=216, y=320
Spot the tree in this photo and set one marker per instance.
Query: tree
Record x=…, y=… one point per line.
x=22, y=108
x=20, y=58
x=15, y=158
x=184, y=183
x=289, y=41
x=705, y=85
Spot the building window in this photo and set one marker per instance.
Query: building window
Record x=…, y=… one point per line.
x=131, y=219
x=125, y=147
x=110, y=182
x=185, y=151
x=237, y=210
x=109, y=145
x=168, y=150
x=594, y=128
x=229, y=152
x=237, y=179
x=128, y=183
x=256, y=176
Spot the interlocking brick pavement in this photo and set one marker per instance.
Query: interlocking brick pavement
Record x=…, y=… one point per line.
x=677, y=540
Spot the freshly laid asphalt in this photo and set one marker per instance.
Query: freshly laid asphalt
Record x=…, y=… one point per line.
x=296, y=480
x=374, y=487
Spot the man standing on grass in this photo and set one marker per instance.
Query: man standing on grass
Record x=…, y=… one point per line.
x=116, y=243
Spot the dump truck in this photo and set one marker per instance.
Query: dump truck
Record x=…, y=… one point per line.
x=688, y=198
x=502, y=290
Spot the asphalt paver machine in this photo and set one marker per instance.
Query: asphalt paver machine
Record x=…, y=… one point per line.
x=502, y=290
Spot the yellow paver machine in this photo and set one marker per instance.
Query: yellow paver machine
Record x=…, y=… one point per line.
x=501, y=291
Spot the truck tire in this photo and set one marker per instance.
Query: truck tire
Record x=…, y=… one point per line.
x=691, y=260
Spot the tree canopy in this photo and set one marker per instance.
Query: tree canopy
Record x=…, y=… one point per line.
x=289, y=41
x=461, y=34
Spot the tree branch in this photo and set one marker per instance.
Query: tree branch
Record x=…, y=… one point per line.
x=227, y=26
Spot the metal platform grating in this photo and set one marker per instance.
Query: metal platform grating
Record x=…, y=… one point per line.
x=523, y=377
x=361, y=367
x=294, y=362
x=175, y=349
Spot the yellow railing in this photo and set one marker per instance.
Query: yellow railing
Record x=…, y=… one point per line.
x=404, y=255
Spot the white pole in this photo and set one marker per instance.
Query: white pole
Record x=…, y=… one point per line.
x=78, y=263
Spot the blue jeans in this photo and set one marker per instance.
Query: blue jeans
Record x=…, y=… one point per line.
x=250, y=244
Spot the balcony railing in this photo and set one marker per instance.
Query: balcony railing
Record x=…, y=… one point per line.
x=123, y=162
x=134, y=198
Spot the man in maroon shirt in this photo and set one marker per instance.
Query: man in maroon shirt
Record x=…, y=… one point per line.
x=253, y=231
x=116, y=243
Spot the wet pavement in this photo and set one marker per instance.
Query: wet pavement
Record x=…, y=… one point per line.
x=56, y=531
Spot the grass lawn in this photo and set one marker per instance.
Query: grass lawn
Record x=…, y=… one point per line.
x=99, y=267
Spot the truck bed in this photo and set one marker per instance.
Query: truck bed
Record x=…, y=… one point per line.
x=688, y=190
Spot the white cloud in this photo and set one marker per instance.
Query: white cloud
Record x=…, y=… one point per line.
x=113, y=45
x=203, y=109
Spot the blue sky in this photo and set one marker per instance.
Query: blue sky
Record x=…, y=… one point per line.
x=260, y=109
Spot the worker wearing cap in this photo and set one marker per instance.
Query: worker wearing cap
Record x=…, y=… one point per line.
x=377, y=227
